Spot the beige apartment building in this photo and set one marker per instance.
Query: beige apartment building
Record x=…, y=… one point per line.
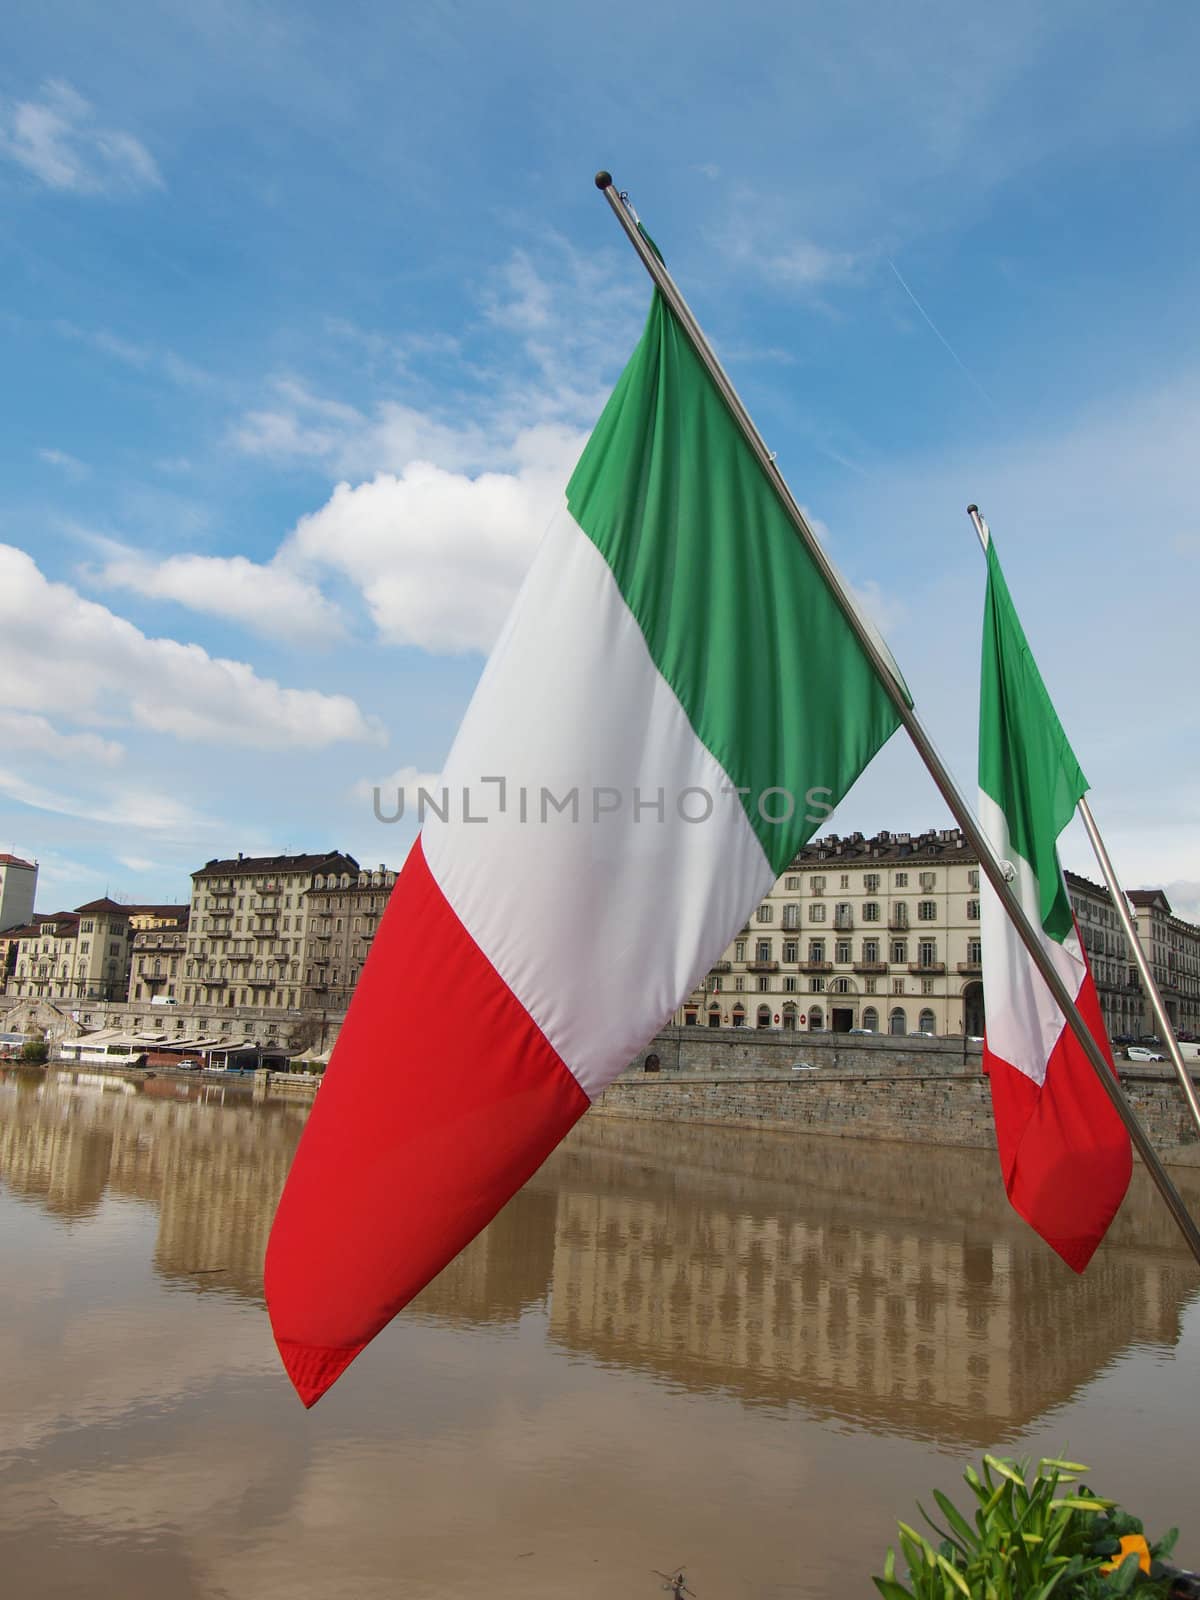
x=81, y=954
x=248, y=938
x=344, y=911
x=879, y=933
x=1172, y=948
x=883, y=934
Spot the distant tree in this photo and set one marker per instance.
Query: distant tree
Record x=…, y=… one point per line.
x=35, y=1052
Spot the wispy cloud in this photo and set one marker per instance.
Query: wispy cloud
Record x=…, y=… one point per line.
x=58, y=139
x=65, y=462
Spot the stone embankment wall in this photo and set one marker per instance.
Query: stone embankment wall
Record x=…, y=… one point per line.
x=931, y=1091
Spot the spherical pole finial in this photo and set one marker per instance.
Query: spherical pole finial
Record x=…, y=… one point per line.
x=603, y=179
x=972, y=511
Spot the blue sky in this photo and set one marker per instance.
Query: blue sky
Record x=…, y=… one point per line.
x=307, y=313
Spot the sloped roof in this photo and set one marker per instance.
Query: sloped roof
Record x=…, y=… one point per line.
x=326, y=860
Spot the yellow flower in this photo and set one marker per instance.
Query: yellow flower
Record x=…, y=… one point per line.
x=1131, y=1544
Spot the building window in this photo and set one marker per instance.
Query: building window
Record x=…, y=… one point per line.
x=870, y=950
x=791, y=950
x=973, y=878
x=789, y=986
x=844, y=882
x=816, y=986
x=792, y=882
x=926, y=910
x=972, y=910
x=843, y=915
x=926, y=952
x=739, y=1017
x=739, y=950
x=901, y=880
x=816, y=949
x=928, y=880
x=871, y=882
x=763, y=949
x=842, y=950
x=840, y=986
x=869, y=985
x=870, y=910
x=926, y=985
x=927, y=1022
x=870, y=1019
x=817, y=885
x=897, y=1021
x=766, y=913
x=739, y=985
x=899, y=951
x=816, y=913
x=897, y=985
x=763, y=985
x=791, y=916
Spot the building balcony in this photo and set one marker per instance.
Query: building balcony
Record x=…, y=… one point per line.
x=221, y=894
x=261, y=983
x=721, y=966
x=213, y=983
x=220, y=911
x=971, y=969
x=844, y=922
x=264, y=933
x=927, y=969
x=870, y=966
x=320, y=961
x=816, y=966
x=898, y=921
x=150, y=979
x=762, y=966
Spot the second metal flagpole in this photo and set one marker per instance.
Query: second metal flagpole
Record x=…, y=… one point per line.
x=1109, y=873
x=886, y=672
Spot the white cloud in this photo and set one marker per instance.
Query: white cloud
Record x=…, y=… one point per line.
x=266, y=597
x=71, y=465
x=439, y=555
x=130, y=806
x=60, y=652
x=58, y=140
x=405, y=782
x=21, y=731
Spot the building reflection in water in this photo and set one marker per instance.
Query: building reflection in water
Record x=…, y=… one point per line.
x=884, y=1285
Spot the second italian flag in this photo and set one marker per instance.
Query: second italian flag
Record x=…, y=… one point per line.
x=674, y=706
x=1064, y=1151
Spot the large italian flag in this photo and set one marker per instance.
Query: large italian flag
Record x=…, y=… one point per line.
x=1064, y=1151
x=673, y=707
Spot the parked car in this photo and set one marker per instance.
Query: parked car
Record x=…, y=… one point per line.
x=803, y=1066
x=870, y=1032
x=1137, y=1052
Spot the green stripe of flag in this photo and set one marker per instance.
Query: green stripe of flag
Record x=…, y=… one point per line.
x=737, y=616
x=1025, y=762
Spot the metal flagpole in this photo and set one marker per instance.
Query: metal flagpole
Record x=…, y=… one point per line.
x=1109, y=873
x=988, y=860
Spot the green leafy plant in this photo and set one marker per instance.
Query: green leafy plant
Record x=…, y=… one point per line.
x=1027, y=1540
x=35, y=1052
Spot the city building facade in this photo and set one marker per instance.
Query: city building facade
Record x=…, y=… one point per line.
x=18, y=890
x=883, y=934
x=344, y=911
x=75, y=955
x=1172, y=948
x=248, y=938
x=879, y=934
x=1115, y=977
